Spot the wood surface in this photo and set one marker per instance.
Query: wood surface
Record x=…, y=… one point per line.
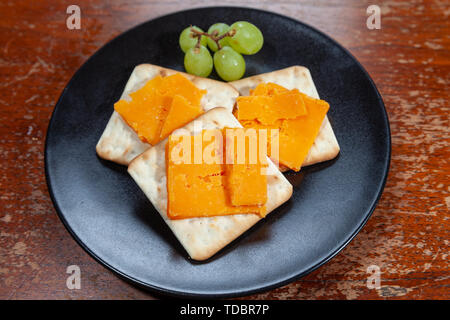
x=408, y=58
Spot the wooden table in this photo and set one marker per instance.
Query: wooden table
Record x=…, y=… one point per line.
x=408, y=58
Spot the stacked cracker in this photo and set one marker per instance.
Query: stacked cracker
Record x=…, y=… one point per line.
x=203, y=237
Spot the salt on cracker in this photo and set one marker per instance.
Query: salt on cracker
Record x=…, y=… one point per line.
x=325, y=145
x=120, y=143
x=202, y=237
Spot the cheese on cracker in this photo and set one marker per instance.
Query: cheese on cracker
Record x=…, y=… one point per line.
x=209, y=189
x=161, y=106
x=325, y=146
x=121, y=143
x=297, y=117
x=202, y=237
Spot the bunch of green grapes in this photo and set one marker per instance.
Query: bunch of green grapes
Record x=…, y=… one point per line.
x=228, y=43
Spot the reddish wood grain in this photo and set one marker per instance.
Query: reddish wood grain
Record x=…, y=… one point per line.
x=409, y=59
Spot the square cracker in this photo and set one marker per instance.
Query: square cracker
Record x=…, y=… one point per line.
x=325, y=145
x=202, y=237
x=120, y=143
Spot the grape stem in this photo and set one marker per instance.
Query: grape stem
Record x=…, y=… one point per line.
x=213, y=36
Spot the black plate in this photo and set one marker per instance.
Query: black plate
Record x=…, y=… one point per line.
x=112, y=220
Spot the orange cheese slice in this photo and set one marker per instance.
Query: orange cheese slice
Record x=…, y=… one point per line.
x=297, y=116
x=288, y=105
x=267, y=89
x=199, y=190
x=297, y=136
x=276, y=105
x=246, y=176
x=145, y=113
x=252, y=108
x=154, y=111
x=246, y=184
x=179, y=84
x=181, y=112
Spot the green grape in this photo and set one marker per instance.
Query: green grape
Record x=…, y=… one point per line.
x=198, y=61
x=229, y=64
x=186, y=41
x=222, y=28
x=248, y=39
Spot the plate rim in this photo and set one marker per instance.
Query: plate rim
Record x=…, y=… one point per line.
x=158, y=290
